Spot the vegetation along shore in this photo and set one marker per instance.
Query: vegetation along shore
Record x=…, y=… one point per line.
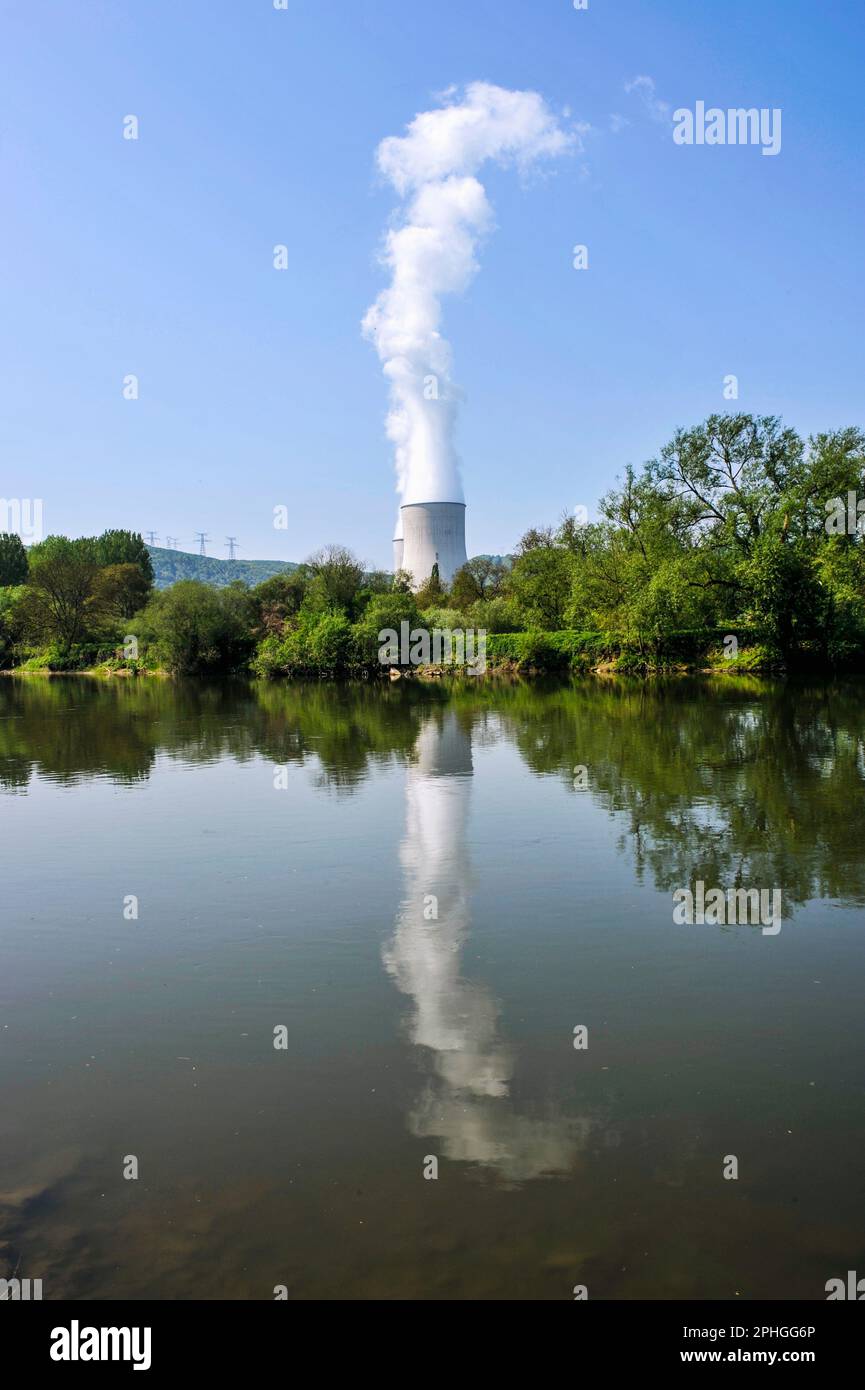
x=738, y=548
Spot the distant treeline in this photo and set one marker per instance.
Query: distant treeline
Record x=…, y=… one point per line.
x=170, y=566
x=739, y=546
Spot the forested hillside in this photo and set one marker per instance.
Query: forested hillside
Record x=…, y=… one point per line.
x=171, y=565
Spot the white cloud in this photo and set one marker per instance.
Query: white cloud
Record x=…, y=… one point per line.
x=657, y=109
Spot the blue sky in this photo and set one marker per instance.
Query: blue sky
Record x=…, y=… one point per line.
x=260, y=126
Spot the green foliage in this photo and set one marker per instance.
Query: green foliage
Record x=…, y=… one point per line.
x=551, y=651
x=119, y=591
x=10, y=622
x=195, y=629
x=336, y=576
x=59, y=589
x=80, y=656
x=330, y=645
x=13, y=559
x=495, y=615
x=433, y=593
x=756, y=658
x=77, y=595
x=481, y=578
x=318, y=646
x=446, y=619
x=786, y=599
x=583, y=651
x=540, y=582
x=726, y=525
x=280, y=598
x=725, y=531
x=384, y=612
x=125, y=548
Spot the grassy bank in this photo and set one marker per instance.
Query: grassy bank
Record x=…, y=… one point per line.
x=343, y=652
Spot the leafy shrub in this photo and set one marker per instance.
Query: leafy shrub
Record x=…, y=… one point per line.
x=56, y=656
x=316, y=647
x=581, y=651
x=496, y=615
x=446, y=619
x=196, y=629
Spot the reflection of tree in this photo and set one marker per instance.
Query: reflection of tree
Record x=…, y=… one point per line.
x=729, y=781
x=465, y=1103
x=73, y=728
x=732, y=781
x=69, y=729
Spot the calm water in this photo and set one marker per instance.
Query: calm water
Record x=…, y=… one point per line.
x=288, y=848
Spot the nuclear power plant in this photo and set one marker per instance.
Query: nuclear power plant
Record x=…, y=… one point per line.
x=433, y=533
x=432, y=252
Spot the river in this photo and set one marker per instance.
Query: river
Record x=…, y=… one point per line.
x=377, y=992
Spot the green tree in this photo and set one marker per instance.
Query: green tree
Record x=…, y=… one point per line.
x=124, y=548
x=13, y=559
x=330, y=645
x=433, y=593
x=787, y=601
x=336, y=578
x=540, y=582
x=59, y=588
x=197, y=630
x=385, y=612
x=11, y=599
x=481, y=578
x=495, y=615
x=728, y=475
x=119, y=591
x=280, y=598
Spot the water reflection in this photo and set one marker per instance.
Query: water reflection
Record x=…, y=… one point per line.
x=465, y=1103
x=69, y=729
x=729, y=781
x=263, y=907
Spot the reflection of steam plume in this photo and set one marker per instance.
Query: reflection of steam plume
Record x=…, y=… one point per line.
x=432, y=253
x=466, y=1103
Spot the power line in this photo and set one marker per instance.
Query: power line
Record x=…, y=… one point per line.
x=231, y=542
x=202, y=539
x=152, y=537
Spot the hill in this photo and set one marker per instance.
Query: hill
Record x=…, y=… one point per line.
x=171, y=565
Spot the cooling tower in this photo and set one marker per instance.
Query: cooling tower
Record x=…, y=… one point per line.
x=398, y=544
x=433, y=533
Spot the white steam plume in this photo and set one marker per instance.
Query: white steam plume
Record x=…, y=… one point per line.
x=431, y=252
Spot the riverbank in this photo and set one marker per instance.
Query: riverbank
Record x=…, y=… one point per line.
x=335, y=651
x=535, y=662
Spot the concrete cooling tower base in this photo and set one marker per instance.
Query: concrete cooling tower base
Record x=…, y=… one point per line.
x=433, y=533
